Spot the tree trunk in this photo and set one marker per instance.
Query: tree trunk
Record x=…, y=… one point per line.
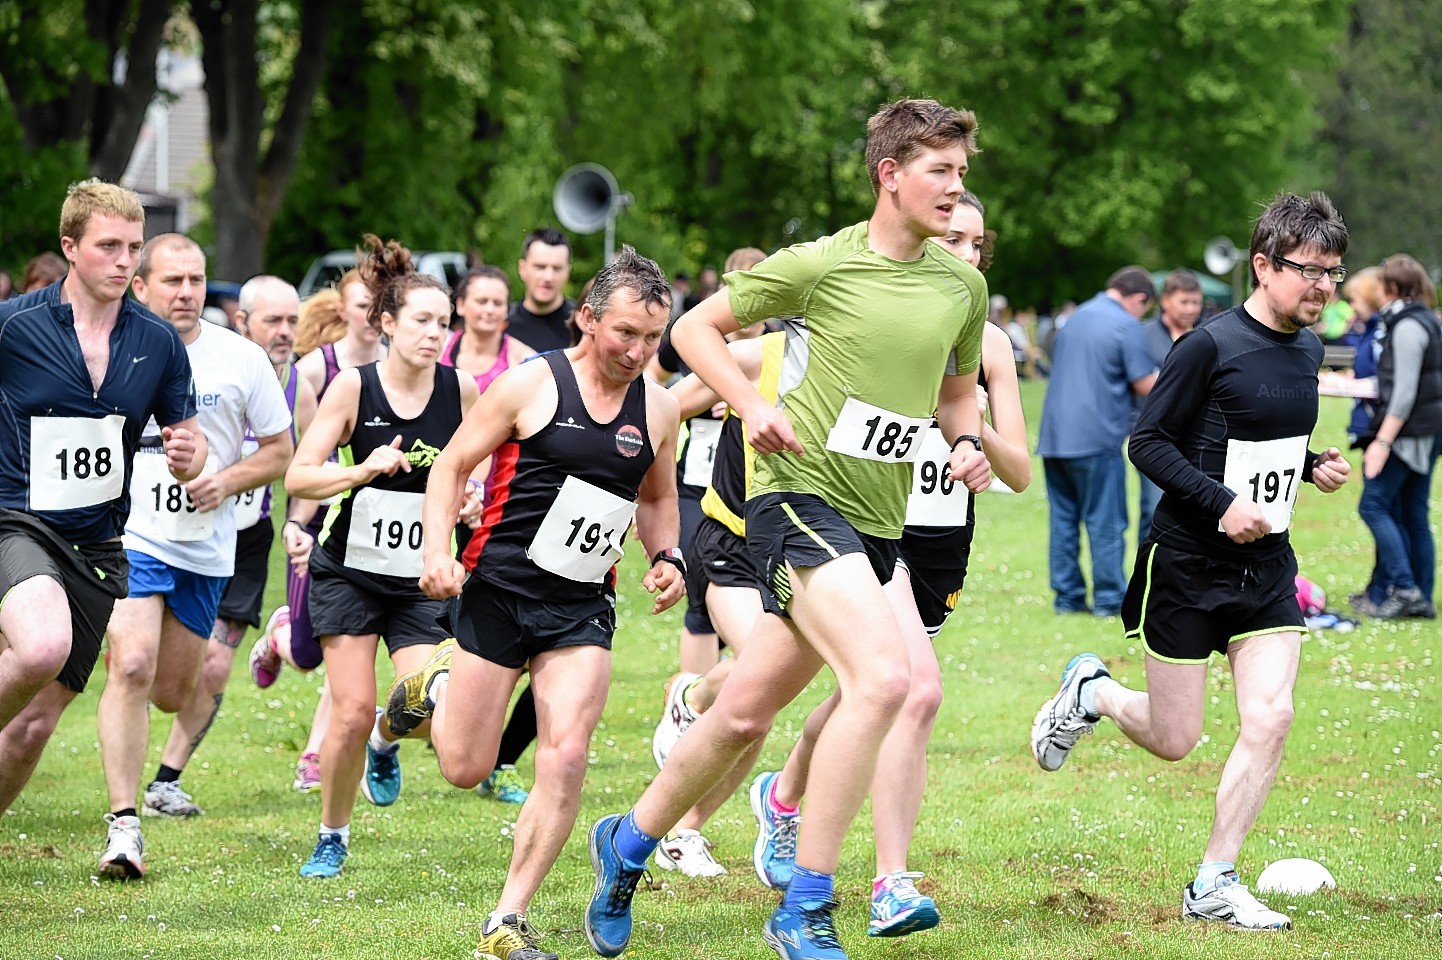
x=249, y=187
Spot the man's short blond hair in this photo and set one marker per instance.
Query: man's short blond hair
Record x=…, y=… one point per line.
x=89, y=197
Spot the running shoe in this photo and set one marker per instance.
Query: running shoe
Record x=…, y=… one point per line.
x=307, y=773
x=124, y=856
x=327, y=858
x=1060, y=722
x=898, y=908
x=774, y=855
x=265, y=663
x=805, y=932
x=512, y=938
x=168, y=800
x=676, y=716
x=381, y=783
x=409, y=703
x=608, y=915
x=688, y=852
x=504, y=784
x=1232, y=903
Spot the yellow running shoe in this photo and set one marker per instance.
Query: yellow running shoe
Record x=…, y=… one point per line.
x=511, y=937
x=409, y=703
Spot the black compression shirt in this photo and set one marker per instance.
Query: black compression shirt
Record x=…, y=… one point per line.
x=1232, y=387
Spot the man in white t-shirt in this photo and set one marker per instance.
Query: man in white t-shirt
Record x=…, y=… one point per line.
x=180, y=538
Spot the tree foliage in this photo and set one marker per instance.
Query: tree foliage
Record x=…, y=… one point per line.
x=1384, y=126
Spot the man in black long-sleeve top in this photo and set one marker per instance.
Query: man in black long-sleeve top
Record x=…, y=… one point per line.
x=1224, y=434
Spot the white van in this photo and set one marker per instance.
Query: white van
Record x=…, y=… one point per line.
x=445, y=265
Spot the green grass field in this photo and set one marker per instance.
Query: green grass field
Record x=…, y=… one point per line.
x=1085, y=863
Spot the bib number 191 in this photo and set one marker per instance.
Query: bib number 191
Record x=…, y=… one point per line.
x=586, y=536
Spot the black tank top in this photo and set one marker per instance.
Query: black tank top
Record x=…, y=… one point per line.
x=375, y=529
x=559, y=505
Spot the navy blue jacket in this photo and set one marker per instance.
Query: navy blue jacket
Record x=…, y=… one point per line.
x=43, y=375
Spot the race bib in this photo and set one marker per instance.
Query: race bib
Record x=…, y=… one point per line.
x=75, y=461
x=873, y=433
x=247, y=507
x=1267, y=472
x=385, y=533
x=581, y=537
x=701, y=453
x=161, y=504
x=936, y=500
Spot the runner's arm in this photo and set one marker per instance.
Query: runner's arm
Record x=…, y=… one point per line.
x=959, y=416
x=309, y=476
x=696, y=398
x=658, y=517
x=1004, y=438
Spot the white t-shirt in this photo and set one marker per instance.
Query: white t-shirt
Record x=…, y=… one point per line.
x=235, y=387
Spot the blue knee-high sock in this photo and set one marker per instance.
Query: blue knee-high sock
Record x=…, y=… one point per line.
x=808, y=886
x=634, y=845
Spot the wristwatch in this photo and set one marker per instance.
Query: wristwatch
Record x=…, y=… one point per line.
x=974, y=441
x=671, y=555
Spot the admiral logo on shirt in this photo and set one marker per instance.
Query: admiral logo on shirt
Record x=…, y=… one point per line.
x=629, y=441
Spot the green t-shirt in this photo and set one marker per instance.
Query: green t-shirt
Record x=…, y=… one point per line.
x=879, y=333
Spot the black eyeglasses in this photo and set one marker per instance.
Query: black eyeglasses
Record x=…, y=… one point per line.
x=1313, y=272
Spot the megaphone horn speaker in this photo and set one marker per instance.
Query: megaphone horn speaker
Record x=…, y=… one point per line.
x=1220, y=256
x=584, y=197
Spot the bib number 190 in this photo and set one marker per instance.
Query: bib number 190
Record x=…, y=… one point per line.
x=392, y=535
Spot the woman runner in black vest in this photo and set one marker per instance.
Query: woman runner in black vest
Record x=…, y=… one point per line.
x=389, y=420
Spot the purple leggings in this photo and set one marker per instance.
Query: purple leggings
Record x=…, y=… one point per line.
x=305, y=647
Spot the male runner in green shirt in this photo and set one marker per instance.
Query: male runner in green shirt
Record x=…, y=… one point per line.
x=893, y=333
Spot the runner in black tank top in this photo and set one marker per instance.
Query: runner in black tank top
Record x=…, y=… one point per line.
x=389, y=419
x=612, y=457
x=582, y=443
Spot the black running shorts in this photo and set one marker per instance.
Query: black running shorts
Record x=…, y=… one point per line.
x=245, y=593
x=508, y=629
x=92, y=576
x=802, y=530
x=1184, y=607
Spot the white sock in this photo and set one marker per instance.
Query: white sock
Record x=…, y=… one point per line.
x=342, y=832
x=378, y=741
x=438, y=684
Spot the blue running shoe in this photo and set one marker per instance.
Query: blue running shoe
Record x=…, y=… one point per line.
x=774, y=855
x=327, y=859
x=804, y=933
x=608, y=916
x=382, y=781
x=898, y=908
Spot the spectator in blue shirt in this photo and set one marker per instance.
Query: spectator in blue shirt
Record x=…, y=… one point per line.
x=1100, y=363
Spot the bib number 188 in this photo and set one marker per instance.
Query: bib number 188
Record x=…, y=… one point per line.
x=83, y=462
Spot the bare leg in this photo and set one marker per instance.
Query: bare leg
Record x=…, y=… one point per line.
x=775, y=668
x=34, y=641
x=321, y=721
x=570, y=685
x=177, y=666
x=1265, y=671
x=897, y=791
x=350, y=667
x=23, y=739
x=470, y=712
x=122, y=717
x=193, y=722
x=699, y=651
x=790, y=785
x=1172, y=731
x=845, y=615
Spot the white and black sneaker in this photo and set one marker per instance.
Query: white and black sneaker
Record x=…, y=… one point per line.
x=1232, y=903
x=688, y=852
x=124, y=856
x=1061, y=722
x=676, y=717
